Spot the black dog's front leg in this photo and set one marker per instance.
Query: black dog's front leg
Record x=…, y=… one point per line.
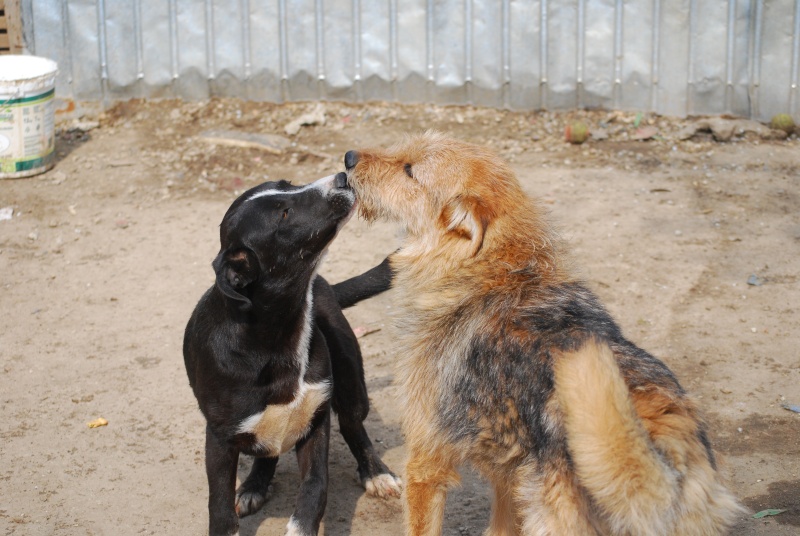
x=364, y=286
x=312, y=459
x=221, y=463
x=252, y=494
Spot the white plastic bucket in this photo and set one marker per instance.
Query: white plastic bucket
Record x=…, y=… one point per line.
x=27, y=115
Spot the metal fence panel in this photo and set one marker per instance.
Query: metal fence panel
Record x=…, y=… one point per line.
x=673, y=57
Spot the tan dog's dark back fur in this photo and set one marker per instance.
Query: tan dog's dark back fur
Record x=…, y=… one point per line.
x=511, y=364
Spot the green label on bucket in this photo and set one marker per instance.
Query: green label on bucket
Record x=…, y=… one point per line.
x=35, y=163
x=11, y=165
x=27, y=100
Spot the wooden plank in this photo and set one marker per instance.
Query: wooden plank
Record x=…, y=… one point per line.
x=4, y=41
x=14, y=21
x=3, y=23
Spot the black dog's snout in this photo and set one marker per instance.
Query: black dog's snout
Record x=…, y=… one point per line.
x=340, y=180
x=350, y=159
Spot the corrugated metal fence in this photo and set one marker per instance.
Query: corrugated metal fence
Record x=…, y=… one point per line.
x=675, y=57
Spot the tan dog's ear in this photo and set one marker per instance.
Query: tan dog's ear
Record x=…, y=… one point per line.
x=467, y=217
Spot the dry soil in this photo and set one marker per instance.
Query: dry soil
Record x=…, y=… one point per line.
x=106, y=255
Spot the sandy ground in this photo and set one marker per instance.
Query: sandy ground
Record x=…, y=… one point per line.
x=106, y=255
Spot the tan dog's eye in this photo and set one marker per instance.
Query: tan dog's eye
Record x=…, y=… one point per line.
x=407, y=169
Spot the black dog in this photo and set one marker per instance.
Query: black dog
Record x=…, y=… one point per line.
x=268, y=352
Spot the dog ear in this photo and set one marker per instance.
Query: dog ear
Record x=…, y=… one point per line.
x=467, y=217
x=235, y=270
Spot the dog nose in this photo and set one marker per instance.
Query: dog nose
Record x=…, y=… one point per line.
x=340, y=181
x=350, y=159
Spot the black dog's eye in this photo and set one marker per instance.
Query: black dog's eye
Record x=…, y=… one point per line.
x=286, y=213
x=407, y=169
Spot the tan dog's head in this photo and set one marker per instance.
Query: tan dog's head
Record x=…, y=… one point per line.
x=443, y=190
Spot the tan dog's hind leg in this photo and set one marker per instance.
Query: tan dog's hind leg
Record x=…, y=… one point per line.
x=427, y=479
x=551, y=504
x=504, y=521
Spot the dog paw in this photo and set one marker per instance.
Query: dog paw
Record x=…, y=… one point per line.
x=249, y=502
x=384, y=485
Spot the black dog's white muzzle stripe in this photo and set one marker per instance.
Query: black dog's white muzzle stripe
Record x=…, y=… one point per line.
x=324, y=185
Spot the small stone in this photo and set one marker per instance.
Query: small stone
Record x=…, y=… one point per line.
x=268, y=142
x=645, y=133
x=783, y=122
x=755, y=281
x=314, y=117
x=83, y=125
x=576, y=132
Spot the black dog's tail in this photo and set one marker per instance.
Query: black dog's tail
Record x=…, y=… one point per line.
x=369, y=284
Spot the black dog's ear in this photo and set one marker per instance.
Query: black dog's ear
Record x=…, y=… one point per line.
x=235, y=270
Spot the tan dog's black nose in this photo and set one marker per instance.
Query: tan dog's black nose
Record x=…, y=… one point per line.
x=350, y=159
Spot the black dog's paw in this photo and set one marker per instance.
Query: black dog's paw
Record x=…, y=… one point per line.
x=377, y=478
x=384, y=485
x=249, y=501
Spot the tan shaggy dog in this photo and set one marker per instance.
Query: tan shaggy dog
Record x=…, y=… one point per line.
x=510, y=363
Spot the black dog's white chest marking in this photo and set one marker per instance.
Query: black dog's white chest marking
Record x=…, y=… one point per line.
x=280, y=426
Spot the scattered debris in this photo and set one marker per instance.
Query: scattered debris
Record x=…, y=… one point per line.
x=645, y=133
x=83, y=125
x=314, y=117
x=725, y=129
x=768, y=512
x=57, y=177
x=6, y=213
x=755, y=281
x=791, y=407
x=97, y=423
x=363, y=331
x=271, y=143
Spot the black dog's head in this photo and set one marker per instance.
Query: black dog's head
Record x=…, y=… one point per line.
x=274, y=235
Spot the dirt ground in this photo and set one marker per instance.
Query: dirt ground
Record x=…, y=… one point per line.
x=106, y=255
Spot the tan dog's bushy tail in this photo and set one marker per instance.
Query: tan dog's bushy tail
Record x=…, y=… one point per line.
x=636, y=487
x=614, y=458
